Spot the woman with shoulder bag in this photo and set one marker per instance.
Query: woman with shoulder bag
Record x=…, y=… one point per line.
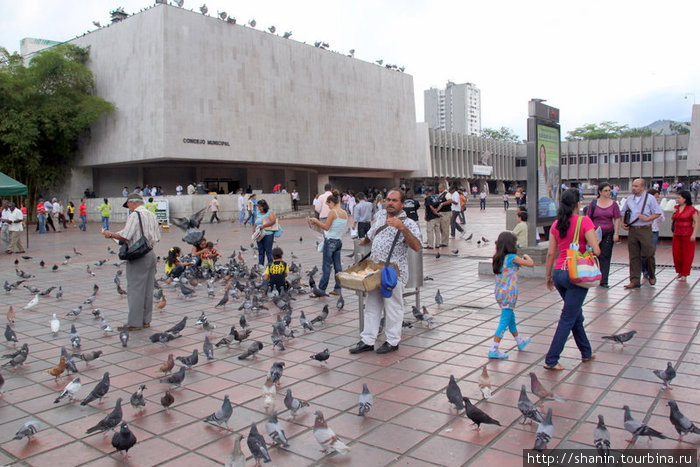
x=685, y=229
x=264, y=221
x=140, y=272
x=334, y=227
x=605, y=213
x=571, y=318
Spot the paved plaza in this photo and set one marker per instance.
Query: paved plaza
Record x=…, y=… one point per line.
x=411, y=422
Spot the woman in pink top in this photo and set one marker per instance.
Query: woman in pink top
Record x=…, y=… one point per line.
x=560, y=239
x=605, y=213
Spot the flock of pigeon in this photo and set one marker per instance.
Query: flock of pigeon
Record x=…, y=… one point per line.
x=244, y=284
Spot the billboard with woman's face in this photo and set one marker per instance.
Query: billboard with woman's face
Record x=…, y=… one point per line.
x=548, y=171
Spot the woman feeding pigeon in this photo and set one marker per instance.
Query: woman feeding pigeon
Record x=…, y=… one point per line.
x=334, y=227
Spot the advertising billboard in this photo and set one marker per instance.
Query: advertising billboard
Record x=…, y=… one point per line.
x=548, y=170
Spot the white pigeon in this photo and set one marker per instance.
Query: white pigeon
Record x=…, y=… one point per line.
x=55, y=325
x=104, y=325
x=69, y=391
x=328, y=440
x=32, y=303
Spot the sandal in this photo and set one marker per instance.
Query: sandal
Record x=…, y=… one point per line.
x=557, y=367
x=313, y=295
x=588, y=359
x=333, y=292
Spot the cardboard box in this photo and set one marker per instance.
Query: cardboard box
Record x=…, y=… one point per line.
x=360, y=283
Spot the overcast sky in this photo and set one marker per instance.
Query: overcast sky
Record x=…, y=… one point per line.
x=631, y=62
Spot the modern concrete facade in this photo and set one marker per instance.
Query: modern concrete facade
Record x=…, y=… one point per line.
x=456, y=109
x=201, y=99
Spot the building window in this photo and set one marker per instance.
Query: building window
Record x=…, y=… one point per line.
x=521, y=162
x=646, y=157
x=604, y=158
x=683, y=155
x=572, y=160
x=624, y=157
x=563, y=160
x=592, y=159
x=636, y=157
x=615, y=158
x=581, y=159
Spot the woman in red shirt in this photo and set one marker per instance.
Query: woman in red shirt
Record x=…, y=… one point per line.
x=685, y=228
x=82, y=210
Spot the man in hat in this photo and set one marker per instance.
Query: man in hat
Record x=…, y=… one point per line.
x=140, y=272
x=389, y=222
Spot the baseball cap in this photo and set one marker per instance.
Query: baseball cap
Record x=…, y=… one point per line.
x=132, y=197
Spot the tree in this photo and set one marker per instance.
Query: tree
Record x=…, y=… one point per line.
x=679, y=128
x=606, y=130
x=504, y=134
x=44, y=109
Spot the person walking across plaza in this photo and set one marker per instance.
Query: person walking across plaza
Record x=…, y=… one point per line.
x=506, y=264
x=140, y=272
x=432, y=219
x=242, y=212
x=685, y=229
x=214, y=208
x=15, y=226
x=265, y=221
x=562, y=233
x=41, y=216
x=605, y=213
x=334, y=226
x=454, y=213
x=482, y=200
x=82, y=210
x=391, y=235
x=48, y=205
x=321, y=205
x=105, y=213
x=655, y=228
x=643, y=209
x=70, y=210
x=362, y=215
x=295, y=199
x=445, y=210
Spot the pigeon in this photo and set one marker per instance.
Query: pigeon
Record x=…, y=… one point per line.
x=321, y=356
x=621, y=338
x=424, y=317
x=190, y=360
x=484, y=239
x=601, y=437
x=527, y=408
x=437, y=255
x=167, y=400
x=110, y=422
x=137, y=400
x=485, y=383
x=59, y=293
x=163, y=337
x=276, y=372
x=167, y=367
x=477, y=415
x=11, y=315
x=17, y=358
x=69, y=391
x=89, y=271
x=176, y=378
x=10, y=335
x=70, y=364
x=208, y=349
x=227, y=340
x=186, y=291
x=88, y=356
x=322, y=316
x=75, y=312
x=55, y=325
x=638, y=428
x=177, y=329
x=74, y=337
x=77, y=253
x=57, y=370
x=253, y=349
x=242, y=321
x=340, y=303
x=469, y=237
x=28, y=430
x=257, y=445
x=276, y=339
x=47, y=291
x=293, y=404
x=23, y=274
x=438, y=298
x=222, y=414
x=275, y=431
x=328, y=440
x=99, y=391
x=123, y=440
x=268, y=393
x=540, y=391
x=366, y=400
x=545, y=431
x=32, y=303
x=682, y=424
x=454, y=394
x=666, y=375
x=124, y=335
x=236, y=458
x=315, y=290
x=224, y=299
x=305, y=322
x=33, y=290
x=121, y=291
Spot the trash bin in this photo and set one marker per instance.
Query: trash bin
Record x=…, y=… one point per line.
x=415, y=269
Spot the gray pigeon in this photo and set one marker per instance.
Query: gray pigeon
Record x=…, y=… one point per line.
x=10, y=335
x=340, y=303
x=275, y=431
x=366, y=400
x=236, y=458
x=208, y=348
x=177, y=329
x=137, y=400
x=175, y=378
x=75, y=311
x=99, y=391
x=17, y=358
x=638, y=428
x=222, y=414
x=253, y=349
x=257, y=445
x=438, y=298
x=621, y=338
x=321, y=316
x=477, y=415
x=666, y=375
x=305, y=322
x=124, y=335
x=545, y=431
x=454, y=394
x=321, y=356
x=527, y=408
x=682, y=424
x=276, y=371
x=74, y=337
x=293, y=404
x=190, y=360
x=69, y=391
x=28, y=430
x=601, y=437
x=111, y=421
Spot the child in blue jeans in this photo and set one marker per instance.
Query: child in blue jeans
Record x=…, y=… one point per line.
x=506, y=264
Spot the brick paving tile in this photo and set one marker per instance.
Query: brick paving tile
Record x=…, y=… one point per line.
x=411, y=422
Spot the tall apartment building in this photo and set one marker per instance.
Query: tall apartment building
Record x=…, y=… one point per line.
x=457, y=108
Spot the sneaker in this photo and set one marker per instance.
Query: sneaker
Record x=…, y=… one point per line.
x=523, y=343
x=361, y=347
x=177, y=279
x=452, y=237
x=386, y=348
x=497, y=354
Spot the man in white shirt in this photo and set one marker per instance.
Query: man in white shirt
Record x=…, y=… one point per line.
x=322, y=207
x=214, y=208
x=5, y=224
x=455, y=210
x=241, y=207
x=15, y=226
x=57, y=210
x=190, y=189
x=295, y=199
x=178, y=190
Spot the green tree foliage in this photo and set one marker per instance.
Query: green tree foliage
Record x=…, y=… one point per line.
x=504, y=134
x=44, y=109
x=679, y=128
x=606, y=130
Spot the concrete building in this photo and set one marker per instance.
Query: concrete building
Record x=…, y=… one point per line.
x=456, y=109
x=30, y=46
x=200, y=99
